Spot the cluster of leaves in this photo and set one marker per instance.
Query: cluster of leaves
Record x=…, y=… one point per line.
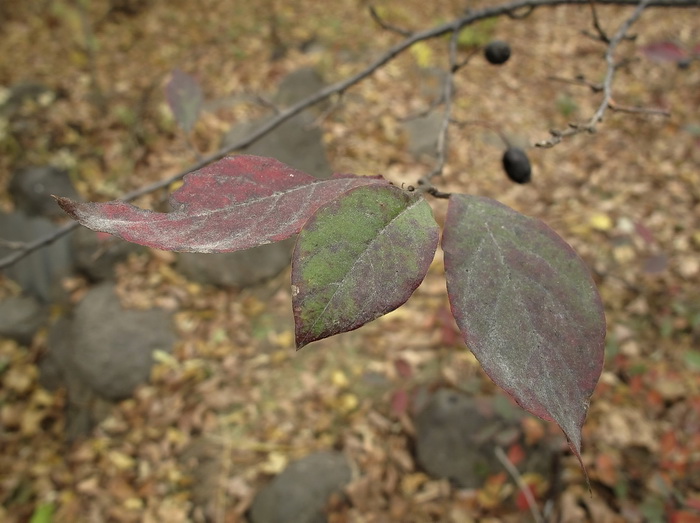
x=524, y=301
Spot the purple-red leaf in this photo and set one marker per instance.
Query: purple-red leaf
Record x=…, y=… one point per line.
x=360, y=256
x=664, y=52
x=184, y=98
x=236, y=203
x=527, y=308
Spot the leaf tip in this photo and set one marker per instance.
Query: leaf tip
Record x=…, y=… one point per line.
x=66, y=204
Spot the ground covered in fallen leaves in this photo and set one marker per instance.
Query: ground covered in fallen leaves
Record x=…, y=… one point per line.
x=627, y=198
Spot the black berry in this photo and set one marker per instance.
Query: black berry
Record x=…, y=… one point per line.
x=497, y=52
x=516, y=165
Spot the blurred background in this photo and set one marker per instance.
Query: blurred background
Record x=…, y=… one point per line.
x=141, y=385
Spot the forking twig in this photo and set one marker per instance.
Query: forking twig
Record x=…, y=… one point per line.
x=590, y=126
x=391, y=53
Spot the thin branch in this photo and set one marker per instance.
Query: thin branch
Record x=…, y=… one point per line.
x=579, y=80
x=448, y=92
x=91, y=53
x=601, y=34
x=485, y=125
x=9, y=244
x=590, y=126
x=521, y=16
x=387, y=26
x=638, y=110
x=322, y=94
x=332, y=107
x=532, y=504
x=437, y=102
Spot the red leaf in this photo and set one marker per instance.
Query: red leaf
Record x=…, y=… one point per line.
x=516, y=454
x=527, y=307
x=521, y=500
x=399, y=402
x=403, y=368
x=236, y=203
x=664, y=52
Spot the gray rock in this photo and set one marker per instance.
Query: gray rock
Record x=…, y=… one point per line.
x=297, y=85
x=423, y=133
x=456, y=437
x=21, y=317
x=39, y=274
x=97, y=258
x=297, y=143
x=237, y=269
x=300, y=493
x=31, y=189
x=57, y=368
x=108, y=348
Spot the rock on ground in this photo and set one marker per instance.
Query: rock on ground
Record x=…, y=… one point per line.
x=32, y=189
x=300, y=493
x=297, y=143
x=38, y=274
x=456, y=438
x=21, y=317
x=107, y=347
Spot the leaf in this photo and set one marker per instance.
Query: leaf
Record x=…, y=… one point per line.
x=236, y=203
x=184, y=98
x=43, y=513
x=359, y=257
x=527, y=307
x=664, y=52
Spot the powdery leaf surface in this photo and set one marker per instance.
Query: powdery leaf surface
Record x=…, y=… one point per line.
x=527, y=308
x=236, y=203
x=184, y=98
x=359, y=257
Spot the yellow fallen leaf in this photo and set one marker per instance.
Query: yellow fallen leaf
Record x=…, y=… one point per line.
x=165, y=358
x=133, y=503
x=120, y=460
x=276, y=462
x=347, y=403
x=423, y=54
x=20, y=379
x=412, y=482
x=283, y=339
x=601, y=222
x=339, y=379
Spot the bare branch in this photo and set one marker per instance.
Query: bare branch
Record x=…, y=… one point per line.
x=8, y=244
x=387, y=26
x=443, y=134
x=328, y=111
x=532, y=504
x=590, y=126
x=453, y=26
x=579, y=80
x=485, y=125
x=600, y=32
x=638, y=110
x=520, y=16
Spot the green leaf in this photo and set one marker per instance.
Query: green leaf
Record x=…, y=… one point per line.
x=43, y=513
x=527, y=307
x=360, y=256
